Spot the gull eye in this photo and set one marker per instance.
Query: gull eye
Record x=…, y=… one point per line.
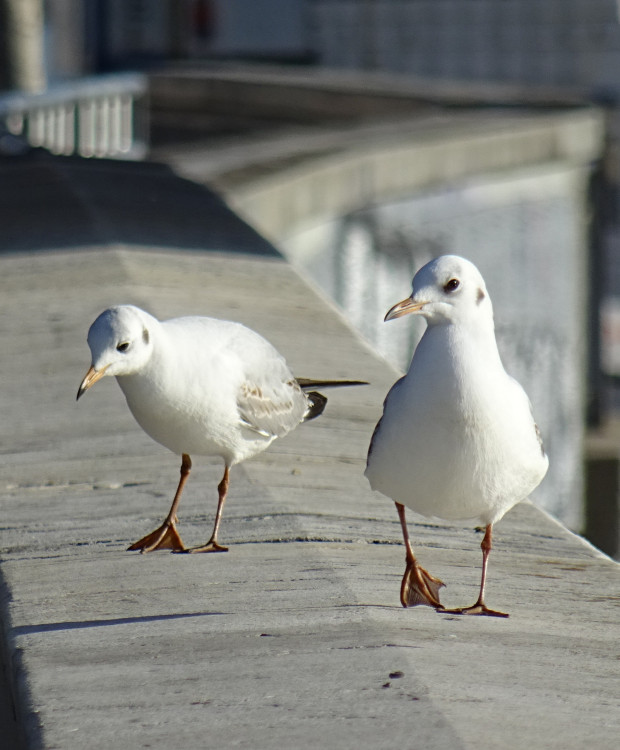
x=451, y=285
x=123, y=346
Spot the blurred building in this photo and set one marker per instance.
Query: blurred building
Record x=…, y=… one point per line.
x=535, y=42
x=94, y=36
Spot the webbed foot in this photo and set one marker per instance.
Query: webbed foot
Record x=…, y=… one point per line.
x=165, y=537
x=420, y=587
x=479, y=608
x=210, y=546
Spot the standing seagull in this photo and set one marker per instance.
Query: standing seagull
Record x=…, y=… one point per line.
x=200, y=386
x=457, y=439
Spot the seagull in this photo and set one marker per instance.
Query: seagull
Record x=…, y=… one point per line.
x=202, y=386
x=457, y=439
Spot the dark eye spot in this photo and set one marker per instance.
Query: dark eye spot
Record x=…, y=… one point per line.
x=451, y=285
x=123, y=347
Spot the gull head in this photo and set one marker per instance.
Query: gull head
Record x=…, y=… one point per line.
x=120, y=344
x=449, y=289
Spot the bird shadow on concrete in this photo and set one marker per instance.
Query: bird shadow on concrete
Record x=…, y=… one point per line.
x=83, y=624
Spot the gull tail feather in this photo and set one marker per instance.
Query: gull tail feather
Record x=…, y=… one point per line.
x=316, y=405
x=316, y=400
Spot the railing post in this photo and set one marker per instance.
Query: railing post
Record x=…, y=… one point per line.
x=98, y=117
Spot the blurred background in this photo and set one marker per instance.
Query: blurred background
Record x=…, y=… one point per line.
x=362, y=138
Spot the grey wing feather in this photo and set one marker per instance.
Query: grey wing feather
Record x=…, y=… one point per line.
x=375, y=433
x=539, y=436
x=272, y=413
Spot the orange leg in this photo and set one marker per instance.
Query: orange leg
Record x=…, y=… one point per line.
x=480, y=608
x=418, y=585
x=212, y=545
x=167, y=536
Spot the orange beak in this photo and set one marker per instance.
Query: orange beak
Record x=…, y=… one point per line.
x=92, y=376
x=404, y=307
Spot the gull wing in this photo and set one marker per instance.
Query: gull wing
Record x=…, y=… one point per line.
x=375, y=432
x=272, y=412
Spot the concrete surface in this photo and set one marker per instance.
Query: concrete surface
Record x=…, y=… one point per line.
x=58, y=202
x=295, y=637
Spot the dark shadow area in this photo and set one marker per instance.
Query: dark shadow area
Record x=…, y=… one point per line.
x=9, y=728
x=49, y=202
x=80, y=624
x=11, y=735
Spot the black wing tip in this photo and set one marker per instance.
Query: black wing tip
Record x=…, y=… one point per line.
x=316, y=403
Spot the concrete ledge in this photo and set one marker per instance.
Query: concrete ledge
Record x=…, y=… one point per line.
x=341, y=141
x=403, y=159
x=295, y=636
x=302, y=93
x=71, y=202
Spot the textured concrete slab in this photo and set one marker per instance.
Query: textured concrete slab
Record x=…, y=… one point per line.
x=73, y=202
x=296, y=634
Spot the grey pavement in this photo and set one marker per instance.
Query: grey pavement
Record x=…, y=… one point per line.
x=295, y=636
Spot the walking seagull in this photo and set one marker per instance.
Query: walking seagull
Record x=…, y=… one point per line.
x=200, y=386
x=457, y=439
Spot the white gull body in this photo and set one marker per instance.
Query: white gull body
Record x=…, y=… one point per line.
x=206, y=386
x=457, y=439
x=202, y=386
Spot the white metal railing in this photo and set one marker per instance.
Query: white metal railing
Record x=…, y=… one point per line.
x=104, y=116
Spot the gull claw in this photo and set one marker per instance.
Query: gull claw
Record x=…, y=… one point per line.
x=165, y=537
x=420, y=587
x=210, y=546
x=479, y=608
